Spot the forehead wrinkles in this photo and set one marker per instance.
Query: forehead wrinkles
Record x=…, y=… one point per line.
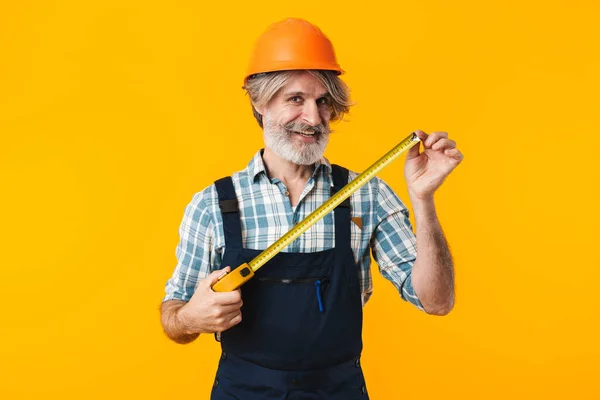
x=304, y=84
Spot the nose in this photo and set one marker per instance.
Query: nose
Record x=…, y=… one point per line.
x=310, y=113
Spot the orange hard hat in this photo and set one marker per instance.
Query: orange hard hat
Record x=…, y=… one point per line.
x=292, y=44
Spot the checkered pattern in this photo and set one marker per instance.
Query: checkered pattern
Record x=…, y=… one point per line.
x=266, y=214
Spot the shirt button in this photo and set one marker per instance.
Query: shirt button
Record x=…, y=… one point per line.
x=286, y=193
x=357, y=363
x=216, y=384
x=363, y=389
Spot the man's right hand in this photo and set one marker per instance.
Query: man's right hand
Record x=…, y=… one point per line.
x=209, y=311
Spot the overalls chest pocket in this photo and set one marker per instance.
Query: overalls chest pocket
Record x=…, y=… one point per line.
x=301, y=288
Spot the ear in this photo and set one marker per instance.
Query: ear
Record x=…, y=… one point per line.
x=260, y=110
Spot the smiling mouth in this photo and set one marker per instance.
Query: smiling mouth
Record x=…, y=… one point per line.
x=304, y=134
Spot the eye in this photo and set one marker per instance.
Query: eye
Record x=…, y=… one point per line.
x=295, y=99
x=322, y=101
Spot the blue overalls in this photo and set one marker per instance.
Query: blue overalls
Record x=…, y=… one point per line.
x=300, y=335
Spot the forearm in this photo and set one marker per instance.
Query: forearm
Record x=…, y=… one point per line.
x=173, y=325
x=433, y=270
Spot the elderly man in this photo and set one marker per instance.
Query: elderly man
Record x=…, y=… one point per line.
x=298, y=333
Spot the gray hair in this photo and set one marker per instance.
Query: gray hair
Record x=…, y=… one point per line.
x=263, y=87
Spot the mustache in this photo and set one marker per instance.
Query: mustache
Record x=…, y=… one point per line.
x=302, y=127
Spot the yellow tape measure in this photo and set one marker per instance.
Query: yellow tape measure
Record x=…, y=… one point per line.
x=240, y=275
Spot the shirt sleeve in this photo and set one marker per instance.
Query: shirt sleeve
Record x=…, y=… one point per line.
x=394, y=243
x=193, y=252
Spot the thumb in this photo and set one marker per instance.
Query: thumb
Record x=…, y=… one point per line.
x=215, y=275
x=413, y=152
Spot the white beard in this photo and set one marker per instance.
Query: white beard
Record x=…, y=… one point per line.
x=280, y=142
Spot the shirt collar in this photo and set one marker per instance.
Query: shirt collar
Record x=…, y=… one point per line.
x=256, y=166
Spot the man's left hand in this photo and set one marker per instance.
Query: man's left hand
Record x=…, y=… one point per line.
x=425, y=171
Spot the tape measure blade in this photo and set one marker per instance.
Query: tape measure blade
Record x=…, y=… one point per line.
x=334, y=201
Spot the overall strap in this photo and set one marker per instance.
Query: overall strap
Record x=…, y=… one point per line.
x=230, y=211
x=342, y=211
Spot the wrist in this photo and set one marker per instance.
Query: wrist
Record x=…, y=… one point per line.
x=420, y=198
x=423, y=207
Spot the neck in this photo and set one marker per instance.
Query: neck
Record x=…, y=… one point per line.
x=286, y=171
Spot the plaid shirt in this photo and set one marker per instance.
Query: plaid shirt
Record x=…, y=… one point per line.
x=266, y=214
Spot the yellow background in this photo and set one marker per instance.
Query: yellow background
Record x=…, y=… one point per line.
x=113, y=114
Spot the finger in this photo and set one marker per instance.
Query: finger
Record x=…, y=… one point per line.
x=454, y=153
x=421, y=135
x=231, y=308
x=234, y=320
x=443, y=143
x=215, y=275
x=434, y=137
x=226, y=321
x=225, y=298
x=413, y=152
